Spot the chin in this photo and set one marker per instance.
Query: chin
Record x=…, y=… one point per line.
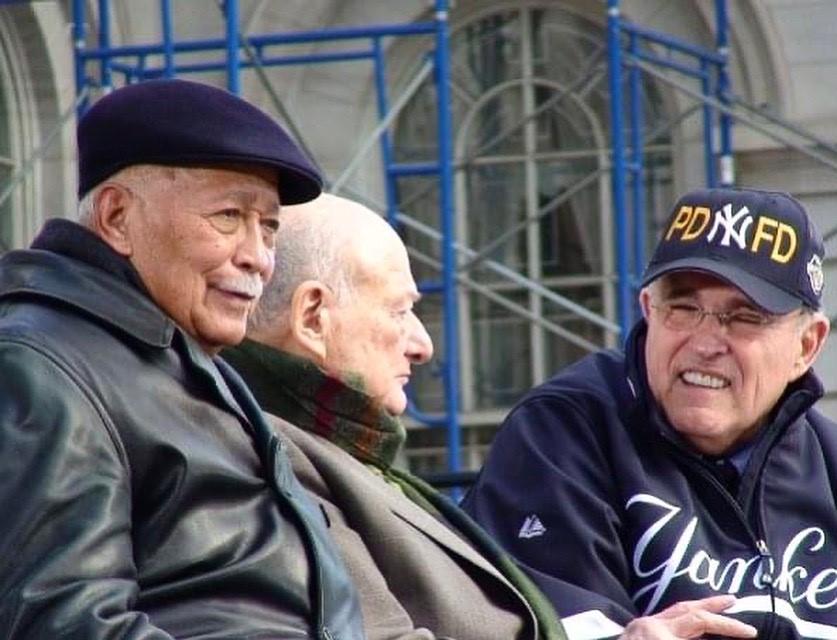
x=700, y=426
x=221, y=340
x=395, y=407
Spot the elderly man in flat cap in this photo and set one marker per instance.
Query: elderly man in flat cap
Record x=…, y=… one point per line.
x=143, y=495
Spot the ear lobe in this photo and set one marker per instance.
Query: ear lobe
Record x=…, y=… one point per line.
x=111, y=205
x=311, y=319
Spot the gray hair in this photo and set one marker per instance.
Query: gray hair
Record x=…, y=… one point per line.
x=136, y=177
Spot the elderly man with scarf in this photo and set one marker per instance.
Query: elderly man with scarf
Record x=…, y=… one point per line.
x=330, y=351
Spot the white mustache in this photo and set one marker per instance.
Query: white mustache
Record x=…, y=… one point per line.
x=245, y=285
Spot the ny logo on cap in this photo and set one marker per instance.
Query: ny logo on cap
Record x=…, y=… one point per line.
x=779, y=238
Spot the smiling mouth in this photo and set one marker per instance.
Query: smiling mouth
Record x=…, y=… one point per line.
x=704, y=380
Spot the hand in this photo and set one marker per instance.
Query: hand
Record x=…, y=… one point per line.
x=689, y=619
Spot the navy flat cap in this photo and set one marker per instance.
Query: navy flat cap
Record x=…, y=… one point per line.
x=182, y=123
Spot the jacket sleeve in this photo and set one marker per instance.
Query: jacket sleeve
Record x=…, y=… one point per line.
x=546, y=495
x=66, y=557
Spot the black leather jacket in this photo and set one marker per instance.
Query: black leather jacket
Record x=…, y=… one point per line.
x=142, y=495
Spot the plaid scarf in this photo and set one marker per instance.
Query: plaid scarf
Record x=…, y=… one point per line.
x=297, y=391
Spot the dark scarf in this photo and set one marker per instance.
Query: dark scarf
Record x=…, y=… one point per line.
x=297, y=391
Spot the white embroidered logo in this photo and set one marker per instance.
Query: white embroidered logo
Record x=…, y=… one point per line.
x=532, y=527
x=725, y=219
x=681, y=559
x=815, y=274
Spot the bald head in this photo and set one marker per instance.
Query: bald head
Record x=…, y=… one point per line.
x=330, y=239
x=342, y=297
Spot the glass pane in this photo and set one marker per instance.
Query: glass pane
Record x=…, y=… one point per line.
x=496, y=202
x=559, y=350
x=570, y=225
x=497, y=128
x=501, y=351
x=486, y=52
x=561, y=123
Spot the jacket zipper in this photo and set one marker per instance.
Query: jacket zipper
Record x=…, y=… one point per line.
x=766, y=565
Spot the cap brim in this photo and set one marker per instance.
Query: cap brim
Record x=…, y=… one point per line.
x=767, y=296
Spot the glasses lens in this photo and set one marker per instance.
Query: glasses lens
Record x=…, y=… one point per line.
x=682, y=316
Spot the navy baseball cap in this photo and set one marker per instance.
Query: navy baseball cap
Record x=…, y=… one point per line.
x=761, y=242
x=183, y=123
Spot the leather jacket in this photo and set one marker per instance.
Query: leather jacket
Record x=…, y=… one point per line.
x=142, y=493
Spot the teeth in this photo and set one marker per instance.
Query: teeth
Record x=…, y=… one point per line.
x=704, y=380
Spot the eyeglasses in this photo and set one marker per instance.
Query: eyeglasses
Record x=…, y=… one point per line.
x=684, y=316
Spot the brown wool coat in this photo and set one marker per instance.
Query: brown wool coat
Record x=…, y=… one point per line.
x=417, y=579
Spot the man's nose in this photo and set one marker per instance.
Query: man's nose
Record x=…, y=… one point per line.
x=419, y=345
x=709, y=338
x=253, y=253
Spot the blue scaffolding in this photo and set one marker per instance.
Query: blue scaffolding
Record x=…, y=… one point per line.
x=631, y=48
x=632, y=51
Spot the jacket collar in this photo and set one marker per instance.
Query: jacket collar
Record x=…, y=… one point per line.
x=71, y=265
x=797, y=399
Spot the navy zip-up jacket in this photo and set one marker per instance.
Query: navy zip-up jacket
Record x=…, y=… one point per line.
x=614, y=517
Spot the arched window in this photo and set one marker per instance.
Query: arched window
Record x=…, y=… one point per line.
x=36, y=98
x=531, y=120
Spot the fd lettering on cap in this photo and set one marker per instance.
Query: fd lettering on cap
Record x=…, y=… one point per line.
x=761, y=242
x=771, y=236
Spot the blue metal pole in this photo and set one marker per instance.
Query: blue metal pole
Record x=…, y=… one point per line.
x=614, y=57
x=671, y=42
x=708, y=129
x=451, y=316
x=725, y=120
x=79, y=36
x=104, y=43
x=233, y=67
x=168, y=38
x=265, y=40
x=637, y=168
x=386, y=142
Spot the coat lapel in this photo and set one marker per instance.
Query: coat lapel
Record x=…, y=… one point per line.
x=406, y=510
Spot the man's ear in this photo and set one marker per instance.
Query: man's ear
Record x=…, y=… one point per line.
x=111, y=205
x=645, y=302
x=311, y=306
x=812, y=340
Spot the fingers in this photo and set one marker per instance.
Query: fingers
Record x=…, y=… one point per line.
x=690, y=619
x=713, y=604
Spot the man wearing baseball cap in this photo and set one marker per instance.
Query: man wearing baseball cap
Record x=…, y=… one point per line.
x=143, y=494
x=686, y=487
